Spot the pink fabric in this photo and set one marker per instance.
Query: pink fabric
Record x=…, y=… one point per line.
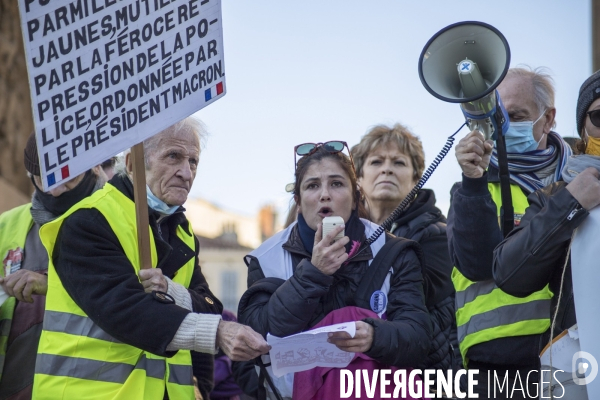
x=354, y=248
x=323, y=383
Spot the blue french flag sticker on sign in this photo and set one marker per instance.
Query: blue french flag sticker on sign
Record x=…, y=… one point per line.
x=213, y=91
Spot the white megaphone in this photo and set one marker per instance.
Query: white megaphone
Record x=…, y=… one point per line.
x=464, y=63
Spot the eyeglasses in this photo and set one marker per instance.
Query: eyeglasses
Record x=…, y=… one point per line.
x=333, y=147
x=594, y=117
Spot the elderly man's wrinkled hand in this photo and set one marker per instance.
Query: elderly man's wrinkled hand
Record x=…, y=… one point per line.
x=240, y=342
x=153, y=279
x=23, y=283
x=473, y=153
x=360, y=343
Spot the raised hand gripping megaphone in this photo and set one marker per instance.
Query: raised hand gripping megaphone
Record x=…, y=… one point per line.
x=464, y=63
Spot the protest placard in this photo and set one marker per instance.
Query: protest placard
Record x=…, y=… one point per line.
x=107, y=74
x=585, y=275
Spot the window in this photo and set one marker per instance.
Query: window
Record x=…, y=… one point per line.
x=229, y=295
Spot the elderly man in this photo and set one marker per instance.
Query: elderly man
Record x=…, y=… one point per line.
x=24, y=265
x=109, y=333
x=500, y=334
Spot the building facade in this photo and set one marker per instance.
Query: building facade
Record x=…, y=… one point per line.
x=225, y=238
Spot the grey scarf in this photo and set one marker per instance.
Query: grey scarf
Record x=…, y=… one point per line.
x=577, y=164
x=42, y=216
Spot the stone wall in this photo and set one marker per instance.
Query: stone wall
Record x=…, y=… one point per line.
x=10, y=197
x=16, y=120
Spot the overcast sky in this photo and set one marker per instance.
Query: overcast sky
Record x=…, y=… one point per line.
x=312, y=71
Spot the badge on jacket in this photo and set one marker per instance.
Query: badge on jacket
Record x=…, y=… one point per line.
x=378, y=301
x=12, y=261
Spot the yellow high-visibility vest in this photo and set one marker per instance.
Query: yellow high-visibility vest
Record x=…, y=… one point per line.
x=76, y=358
x=484, y=312
x=14, y=226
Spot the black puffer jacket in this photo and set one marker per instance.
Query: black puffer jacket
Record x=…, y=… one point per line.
x=308, y=295
x=533, y=254
x=424, y=223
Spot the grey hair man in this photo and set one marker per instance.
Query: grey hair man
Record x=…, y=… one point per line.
x=498, y=332
x=158, y=314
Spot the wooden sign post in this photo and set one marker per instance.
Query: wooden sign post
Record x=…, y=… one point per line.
x=141, y=205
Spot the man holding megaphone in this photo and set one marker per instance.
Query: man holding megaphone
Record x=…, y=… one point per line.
x=500, y=334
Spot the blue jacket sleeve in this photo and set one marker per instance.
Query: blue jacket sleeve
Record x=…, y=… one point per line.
x=473, y=230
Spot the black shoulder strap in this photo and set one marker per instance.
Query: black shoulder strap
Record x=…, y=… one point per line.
x=380, y=266
x=263, y=380
x=507, y=214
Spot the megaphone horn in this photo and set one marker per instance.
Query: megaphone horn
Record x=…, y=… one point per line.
x=480, y=44
x=464, y=63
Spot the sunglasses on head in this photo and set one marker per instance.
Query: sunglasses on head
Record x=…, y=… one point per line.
x=333, y=146
x=594, y=117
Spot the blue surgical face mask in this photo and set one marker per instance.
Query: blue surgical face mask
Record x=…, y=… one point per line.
x=519, y=136
x=157, y=204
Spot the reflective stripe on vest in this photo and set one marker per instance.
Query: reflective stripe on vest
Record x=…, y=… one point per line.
x=484, y=312
x=55, y=321
x=76, y=358
x=113, y=372
x=14, y=226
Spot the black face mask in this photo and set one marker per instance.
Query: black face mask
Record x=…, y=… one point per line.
x=59, y=205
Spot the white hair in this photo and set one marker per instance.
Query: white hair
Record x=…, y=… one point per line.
x=189, y=124
x=542, y=82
